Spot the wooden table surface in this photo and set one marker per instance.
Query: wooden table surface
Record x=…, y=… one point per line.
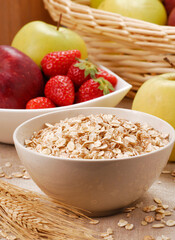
x=163, y=188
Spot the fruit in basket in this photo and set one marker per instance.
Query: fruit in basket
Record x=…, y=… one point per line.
x=157, y=97
x=95, y=3
x=37, y=38
x=93, y=88
x=58, y=63
x=60, y=89
x=40, y=102
x=81, y=70
x=171, y=18
x=169, y=5
x=148, y=10
x=20, y=78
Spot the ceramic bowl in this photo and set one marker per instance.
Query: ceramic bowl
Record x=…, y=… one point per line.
x=11, y=118
x=99, y=186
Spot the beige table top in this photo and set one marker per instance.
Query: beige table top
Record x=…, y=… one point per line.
x=163, y=188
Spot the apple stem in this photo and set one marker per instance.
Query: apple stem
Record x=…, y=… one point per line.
x=168, y=61
x=59, y=22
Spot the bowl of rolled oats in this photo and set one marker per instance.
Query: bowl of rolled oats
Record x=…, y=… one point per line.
x=97, y=159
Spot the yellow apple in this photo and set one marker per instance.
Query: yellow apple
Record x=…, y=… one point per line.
x=95, y=3
x=157, y=97
x=148, y=10
x=38, y=38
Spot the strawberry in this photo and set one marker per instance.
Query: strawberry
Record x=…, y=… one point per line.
x=58, y=63
x=80, y=71
x=108, y=76
x=40, y=102
x=94, y=88
x=60, y=89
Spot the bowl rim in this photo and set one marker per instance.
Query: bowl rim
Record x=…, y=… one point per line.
x=17, y=143
x=126, y=87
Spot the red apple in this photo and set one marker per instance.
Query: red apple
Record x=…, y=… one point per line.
x=171, y=18
x=169, y=5
x=20, y=78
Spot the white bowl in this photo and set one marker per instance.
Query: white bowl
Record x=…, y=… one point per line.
x=99, y=186
x=11, y=118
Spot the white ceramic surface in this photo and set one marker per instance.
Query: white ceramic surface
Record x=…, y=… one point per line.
x=11, y=118
x=100, y=186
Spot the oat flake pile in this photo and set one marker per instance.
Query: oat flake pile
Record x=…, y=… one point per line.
x=101, y=136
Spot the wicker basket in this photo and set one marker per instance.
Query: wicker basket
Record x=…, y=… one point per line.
x=133, y=49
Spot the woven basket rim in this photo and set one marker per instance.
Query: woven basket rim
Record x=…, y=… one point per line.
x=113, y=25
x=134, y=20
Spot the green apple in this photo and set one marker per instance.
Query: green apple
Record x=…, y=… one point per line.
x=157, y=97
x=95, y=3
x=37, y=38
x=147, y=10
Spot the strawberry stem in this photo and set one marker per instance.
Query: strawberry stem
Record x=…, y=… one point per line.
x=104, y=85
x=59, y=22
x=88, y=67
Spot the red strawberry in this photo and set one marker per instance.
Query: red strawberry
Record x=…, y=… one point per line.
x=58, y=63
x=108, y=76
x=60, y=89
x=39, y=102
x=94, y=88
x=80, y=71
